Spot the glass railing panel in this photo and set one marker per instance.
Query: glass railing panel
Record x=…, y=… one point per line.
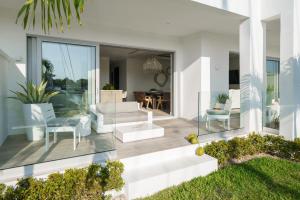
x=218, y=112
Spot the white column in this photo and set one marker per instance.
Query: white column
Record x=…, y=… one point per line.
x=252, y=51
x=290, y=72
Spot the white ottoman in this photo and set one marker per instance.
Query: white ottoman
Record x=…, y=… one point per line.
x=139, y=132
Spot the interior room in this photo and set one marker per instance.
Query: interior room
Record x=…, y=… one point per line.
x=138, y=75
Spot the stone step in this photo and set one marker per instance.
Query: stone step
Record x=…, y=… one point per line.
x=149, y=173
x=139, y=132
x=136, y=162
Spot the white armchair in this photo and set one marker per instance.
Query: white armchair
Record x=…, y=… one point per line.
x=223, y=115
x=106, y=116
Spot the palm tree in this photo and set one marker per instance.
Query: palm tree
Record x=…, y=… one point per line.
x=47, y=74
x=58, y=12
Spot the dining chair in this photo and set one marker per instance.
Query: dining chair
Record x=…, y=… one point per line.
x=143, y=99
x=163, y=99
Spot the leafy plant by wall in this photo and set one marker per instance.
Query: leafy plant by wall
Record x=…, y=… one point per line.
x=222, y=98
x=34, y=94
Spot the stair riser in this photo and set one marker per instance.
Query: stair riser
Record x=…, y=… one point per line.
x=140, y=135
x=152, y=185
x=157, y=157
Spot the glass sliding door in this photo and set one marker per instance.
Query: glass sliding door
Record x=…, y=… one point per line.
x=272, y=97
x=69, y=69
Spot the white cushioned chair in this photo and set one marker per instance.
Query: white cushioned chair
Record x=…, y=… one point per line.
x=105, y=116
x=224, y=115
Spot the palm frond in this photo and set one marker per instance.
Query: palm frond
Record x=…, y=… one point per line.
x=51, y=13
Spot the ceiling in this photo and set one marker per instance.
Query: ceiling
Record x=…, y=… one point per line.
x=162, y=17
x=121, y=53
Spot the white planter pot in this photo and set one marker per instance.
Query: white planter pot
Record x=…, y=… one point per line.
x=220, y=106
x=33, y=117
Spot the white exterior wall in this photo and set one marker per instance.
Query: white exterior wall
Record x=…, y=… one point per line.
x=200, y=59
x=252, y=69
x=205, y=70
x=13, y=42
x=288, y=13
x=290, y=71
x=240, y=7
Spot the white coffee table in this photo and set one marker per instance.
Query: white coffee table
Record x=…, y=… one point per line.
x=139, y=132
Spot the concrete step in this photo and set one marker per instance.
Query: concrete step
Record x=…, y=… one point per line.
x=163, y=172
x=139, y=132
x=136, y=162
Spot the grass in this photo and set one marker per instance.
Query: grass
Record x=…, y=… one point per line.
x=261, y=178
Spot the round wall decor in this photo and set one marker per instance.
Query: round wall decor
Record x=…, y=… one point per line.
x=161, y=79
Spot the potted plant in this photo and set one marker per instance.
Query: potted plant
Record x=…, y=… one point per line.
x=34, y=98
x=221, y=100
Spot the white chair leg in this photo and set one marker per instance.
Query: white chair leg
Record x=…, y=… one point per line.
x=47, y=140
x=208, y=125
x=55, y=137
x=79, y=135
x=74, y=139
x=228, y=122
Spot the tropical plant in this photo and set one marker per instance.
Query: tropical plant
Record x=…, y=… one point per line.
x=58, y=12
x=33, y=94
x=222, y=98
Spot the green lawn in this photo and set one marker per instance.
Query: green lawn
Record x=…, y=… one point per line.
x=261, y=178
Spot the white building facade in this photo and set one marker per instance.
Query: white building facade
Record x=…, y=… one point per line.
x=200, y=33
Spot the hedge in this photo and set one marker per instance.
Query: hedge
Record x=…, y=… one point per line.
x=236, y=148
x=92, y=182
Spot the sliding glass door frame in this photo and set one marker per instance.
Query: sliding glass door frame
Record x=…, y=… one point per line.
x=265, y=128
x=34, y=59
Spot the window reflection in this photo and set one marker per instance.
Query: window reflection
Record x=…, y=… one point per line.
x=66, y=69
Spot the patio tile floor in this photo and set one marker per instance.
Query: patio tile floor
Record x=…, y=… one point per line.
x=18, y=151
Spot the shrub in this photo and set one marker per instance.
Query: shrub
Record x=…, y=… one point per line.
x=192, y=138
x=200, y=151
x=254, y=144
x=239, y=147
x=219, y=150
x=2, y=190
x=87, y=183
x=258, y=143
